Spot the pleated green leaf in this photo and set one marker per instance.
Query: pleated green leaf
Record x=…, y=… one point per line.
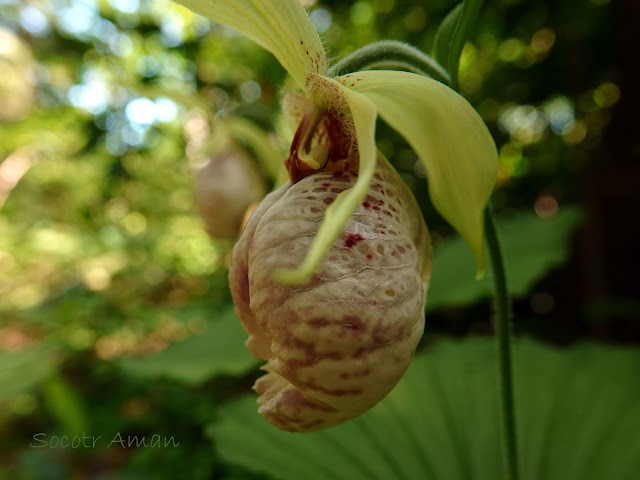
x=578, y=414
x=453, y=32
x=532, y=245
x=444, y=35
x=218, y=350
x=66, y=404
x=25, y=369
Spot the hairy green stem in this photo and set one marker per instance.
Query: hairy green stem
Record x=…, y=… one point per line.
x=502, y=326
x=390, y=54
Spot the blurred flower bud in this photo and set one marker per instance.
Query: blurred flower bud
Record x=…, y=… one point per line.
x=224, y=188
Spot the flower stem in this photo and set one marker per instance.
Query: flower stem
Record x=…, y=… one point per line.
x=502, y=326
x=390, y=55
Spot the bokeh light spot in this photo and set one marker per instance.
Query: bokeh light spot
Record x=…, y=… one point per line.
x=560, y=114
x=34, y=21
x=576, y=134
x=606, y=95
x=93, y=97
x=542, y=41
x=96, y=278
x=321, y=19
x=166, y=110
x=81, y=338
x=125, y=6
x=135, y=223
x=250, y=91
x=77, y=19
x=546, y=206
x=511, y=50
x=361, y=13
x=141, y=111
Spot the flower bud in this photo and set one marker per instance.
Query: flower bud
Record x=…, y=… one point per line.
x=223, y=190
x=338, y=344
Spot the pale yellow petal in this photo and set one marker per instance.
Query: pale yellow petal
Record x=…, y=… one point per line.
x=450, y=138
x=282, y=27
x=363, y=112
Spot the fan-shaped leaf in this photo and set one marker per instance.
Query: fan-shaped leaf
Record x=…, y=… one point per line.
x=532, y=245
x=220, y=349
x=578, y=418
x=22, y=370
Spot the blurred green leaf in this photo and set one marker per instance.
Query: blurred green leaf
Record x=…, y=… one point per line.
x=578, y=418
x=532, y=245
x=25, y=369
x=442, y=44
x=66, y=406
x=220, y=349
x=452, y=34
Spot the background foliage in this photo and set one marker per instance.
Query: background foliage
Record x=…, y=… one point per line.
x=115, y=315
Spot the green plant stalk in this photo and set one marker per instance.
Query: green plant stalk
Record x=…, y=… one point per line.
x=502, y=326
x=387, y=54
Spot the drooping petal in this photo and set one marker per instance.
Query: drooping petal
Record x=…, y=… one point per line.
x=282, y=27
x=450, y=138
x=363, y=112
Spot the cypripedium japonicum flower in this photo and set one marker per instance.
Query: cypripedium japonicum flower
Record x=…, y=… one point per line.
x=336, y=307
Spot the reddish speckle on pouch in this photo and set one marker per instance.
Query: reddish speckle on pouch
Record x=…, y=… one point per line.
x=326, y=185
x=328, y=200
x=352, y=239
x=366, y=204
x=369, y=256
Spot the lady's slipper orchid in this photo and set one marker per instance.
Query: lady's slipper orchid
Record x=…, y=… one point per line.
x=340, y=323
x=338, y=344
